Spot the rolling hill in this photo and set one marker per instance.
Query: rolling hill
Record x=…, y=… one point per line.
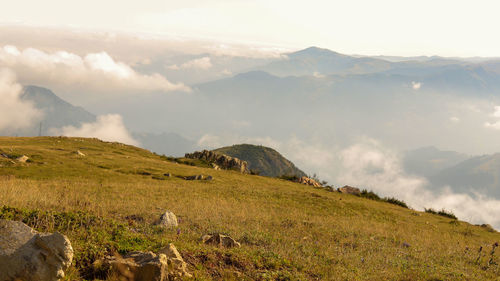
x=107, y=200
x=264, y=160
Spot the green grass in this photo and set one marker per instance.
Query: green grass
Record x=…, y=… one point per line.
x=108, y=200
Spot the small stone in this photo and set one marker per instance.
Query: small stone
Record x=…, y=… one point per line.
x=220, y=240
x=22, y=159
x=168, y=220
x=195, y=177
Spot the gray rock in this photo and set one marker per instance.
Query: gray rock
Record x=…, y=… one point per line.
x=220, y=161
x=31, y=256
x=349, y=190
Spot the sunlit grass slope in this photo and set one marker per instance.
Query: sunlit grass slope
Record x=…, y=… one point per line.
x=108, y=200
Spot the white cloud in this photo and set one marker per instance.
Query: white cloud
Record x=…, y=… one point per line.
x=14, y=112
x=494, y=125
x=201, y=63
x=496, y=113
x=454, y=119
x=318, y=75
x=416, y=85
x=94, y=72
x=107, y=127
x=226, y=72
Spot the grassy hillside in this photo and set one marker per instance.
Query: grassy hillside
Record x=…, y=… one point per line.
x=265, y=160
x=108, y=200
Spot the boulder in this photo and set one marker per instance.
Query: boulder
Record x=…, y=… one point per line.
x=221, y=161
x=31, y=256
x=148, y=266
x=79, y=153
x=22, y=159
x=177, y=262
x=220, y=240
x=349, y=190
x=168, y=220
x=308, y=181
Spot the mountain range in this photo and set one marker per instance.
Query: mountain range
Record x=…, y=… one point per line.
x=317, y=94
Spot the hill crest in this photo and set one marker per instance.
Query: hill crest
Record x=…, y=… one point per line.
x=263, y=160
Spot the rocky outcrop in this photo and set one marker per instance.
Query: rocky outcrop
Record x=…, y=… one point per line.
x=31, y=256
x=220, y=160
x=220, y=240
x=198, y=178
x=308, y=181
x=349, y=190
x=168, y=220
x=147, y=266
x=177, y=265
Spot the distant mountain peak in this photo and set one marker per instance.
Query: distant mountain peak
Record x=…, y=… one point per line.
x=257, y=74
x=315, y=51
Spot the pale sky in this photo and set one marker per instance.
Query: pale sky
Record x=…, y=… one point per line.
x=387, y=27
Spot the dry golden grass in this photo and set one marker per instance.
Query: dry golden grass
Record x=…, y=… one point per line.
x=288, y=231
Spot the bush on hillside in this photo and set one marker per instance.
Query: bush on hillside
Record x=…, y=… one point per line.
x=369, y=194
x=373, y=196
x=442, y=213
x=395, y=201
x=289, y=178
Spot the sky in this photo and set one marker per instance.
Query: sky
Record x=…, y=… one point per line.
x=384, y=27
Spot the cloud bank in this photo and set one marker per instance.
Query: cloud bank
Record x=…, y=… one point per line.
x=97, y=72
x=107, y=127
x=372, y=166
x=201, y=63
x=14, y=112
x=496, y=124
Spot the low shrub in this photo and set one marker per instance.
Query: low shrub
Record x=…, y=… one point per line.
x=289, y=178
x=442, y=213
x=373, y=196
x=395, y=201
x=369, y=194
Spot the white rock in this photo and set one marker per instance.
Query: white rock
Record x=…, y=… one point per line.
x=31, y=256
x=168, y=220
